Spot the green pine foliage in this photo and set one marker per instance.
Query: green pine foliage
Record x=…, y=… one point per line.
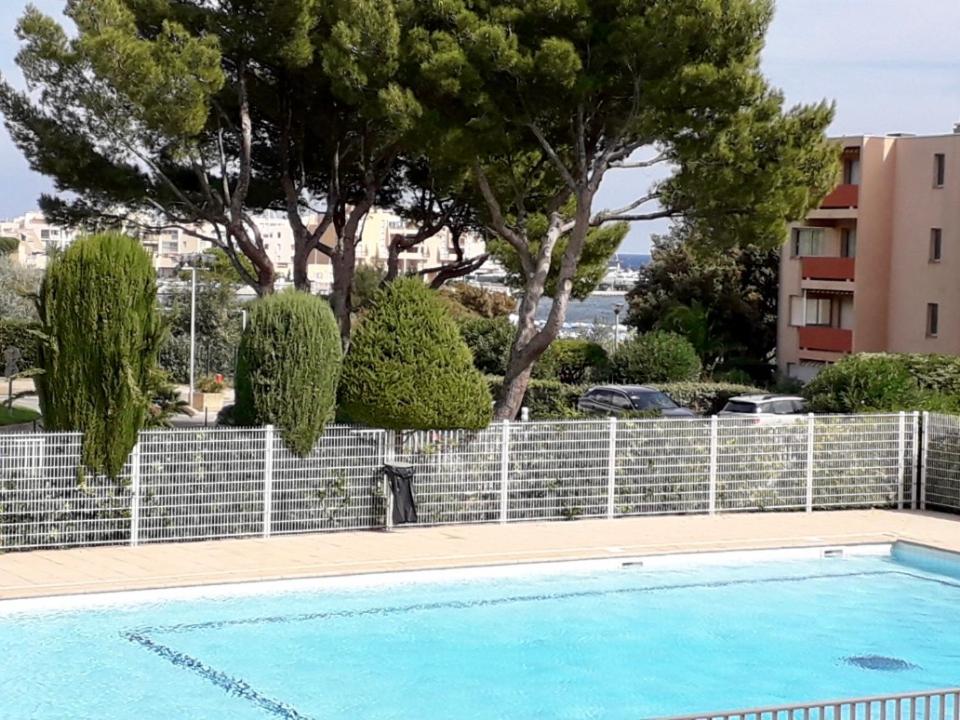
x=98, y=311
x=573, y=361
x=289, y=367
x=408, y=367
x=655, y=357
x=489, y=339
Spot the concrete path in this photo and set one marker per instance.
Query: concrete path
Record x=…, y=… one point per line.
x=57, y=572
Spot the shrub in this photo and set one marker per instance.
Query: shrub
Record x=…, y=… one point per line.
x=489, y=339
x=24, y=336
x=210, y=384
x=288, y=368
x=99, y=313
x=938, y=373
x=705, y=398
x=480, y=301
x=655, y=357
x=547, y=399
x=408, y=367
x=572, y=361
x=864, y=383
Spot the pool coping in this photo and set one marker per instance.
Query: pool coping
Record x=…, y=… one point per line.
x=226, y=563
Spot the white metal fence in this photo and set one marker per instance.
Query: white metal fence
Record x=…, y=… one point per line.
x=927, y=705
x=941, y=462
x=234, y=482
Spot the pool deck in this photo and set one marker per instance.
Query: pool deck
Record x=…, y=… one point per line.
x=104, y=569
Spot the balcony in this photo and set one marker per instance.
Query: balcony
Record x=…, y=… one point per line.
x=826, y=338
x=844, y=196
x=828, y=268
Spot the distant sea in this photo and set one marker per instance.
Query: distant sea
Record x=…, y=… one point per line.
x=599, y=307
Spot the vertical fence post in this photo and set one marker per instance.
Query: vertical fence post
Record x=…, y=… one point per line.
x=504, y=469
x=612, y=469
x=810, y=434
x=914, y=457
x=268, y=481
x=924, y=460
x=135, y=495
x=389, y=458
x=901, y=451
x=714, y=448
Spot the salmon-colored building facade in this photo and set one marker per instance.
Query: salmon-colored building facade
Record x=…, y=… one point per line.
x=877, y=267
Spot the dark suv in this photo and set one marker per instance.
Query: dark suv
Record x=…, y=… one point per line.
x=622, y=399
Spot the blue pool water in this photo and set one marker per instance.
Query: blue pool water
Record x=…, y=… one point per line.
x=613, y=644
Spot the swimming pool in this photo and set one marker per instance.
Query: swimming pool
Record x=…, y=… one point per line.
x=567, y=642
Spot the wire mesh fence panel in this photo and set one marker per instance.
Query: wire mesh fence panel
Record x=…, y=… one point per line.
x=558, y=470
x=197, y=484
x=761, y=465
x=662, y=467
x=862, y=461
x=337, y=487
x=47, y=498
x=942, y=477
x=458, y=473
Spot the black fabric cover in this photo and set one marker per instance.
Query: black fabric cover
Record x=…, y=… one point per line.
x=401, y=485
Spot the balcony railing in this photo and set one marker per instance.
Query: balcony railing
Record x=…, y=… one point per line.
x=828, y=268
x=844, y=196
x=826, y=338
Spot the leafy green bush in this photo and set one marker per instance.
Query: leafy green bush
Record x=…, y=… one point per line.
x=9, y=245
x=408, y=367
x=489, y=339
x=864, y=383
x=547, y=399
x=479, y=301
x=289, y=367
x=98, y=309
x=938, y=373
x=655, y=357
x=572, y=361
x=705, y=398
x=25, y=337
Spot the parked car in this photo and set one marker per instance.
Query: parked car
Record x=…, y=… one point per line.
x=622, y=399
x=766, y=409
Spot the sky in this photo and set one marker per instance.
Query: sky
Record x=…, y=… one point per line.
x=890, y=66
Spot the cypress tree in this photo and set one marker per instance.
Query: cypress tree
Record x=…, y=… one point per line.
x=409, y=368
x=98, y=312
x=289, y=367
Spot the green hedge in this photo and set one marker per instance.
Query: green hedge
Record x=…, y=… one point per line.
x=489, y=340
x=25, y=337
x=656, y=356
x=408, y=367
x=288, y=368
x=572, y=361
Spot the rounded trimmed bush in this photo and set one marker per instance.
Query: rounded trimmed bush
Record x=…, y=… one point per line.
x=572, y=361
x=655, y=357
x=98, y=311
x=864, y=383
x=409, y=369
x=288, y=368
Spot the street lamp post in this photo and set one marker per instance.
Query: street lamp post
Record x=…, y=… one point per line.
x=617, y=309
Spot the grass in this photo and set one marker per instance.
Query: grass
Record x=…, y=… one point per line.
x=16, y=415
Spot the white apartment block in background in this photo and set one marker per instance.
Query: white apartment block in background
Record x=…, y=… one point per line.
x=173, y=247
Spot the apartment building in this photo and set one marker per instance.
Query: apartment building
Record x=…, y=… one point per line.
x=876, y=268
x=37, y=237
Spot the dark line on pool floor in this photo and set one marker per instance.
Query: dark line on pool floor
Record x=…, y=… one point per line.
x=487, y=602
x=233, y=686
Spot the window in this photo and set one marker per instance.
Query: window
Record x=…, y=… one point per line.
x=651, y=400
x=851, y=171
x=933, y=319
x=939, y=169
x=819, y=311
x=936, y=245
x=848, y=243
x=807, y=242
x=619, y=400
x=44, y=234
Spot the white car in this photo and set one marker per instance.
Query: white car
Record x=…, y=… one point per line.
x=766, y=409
